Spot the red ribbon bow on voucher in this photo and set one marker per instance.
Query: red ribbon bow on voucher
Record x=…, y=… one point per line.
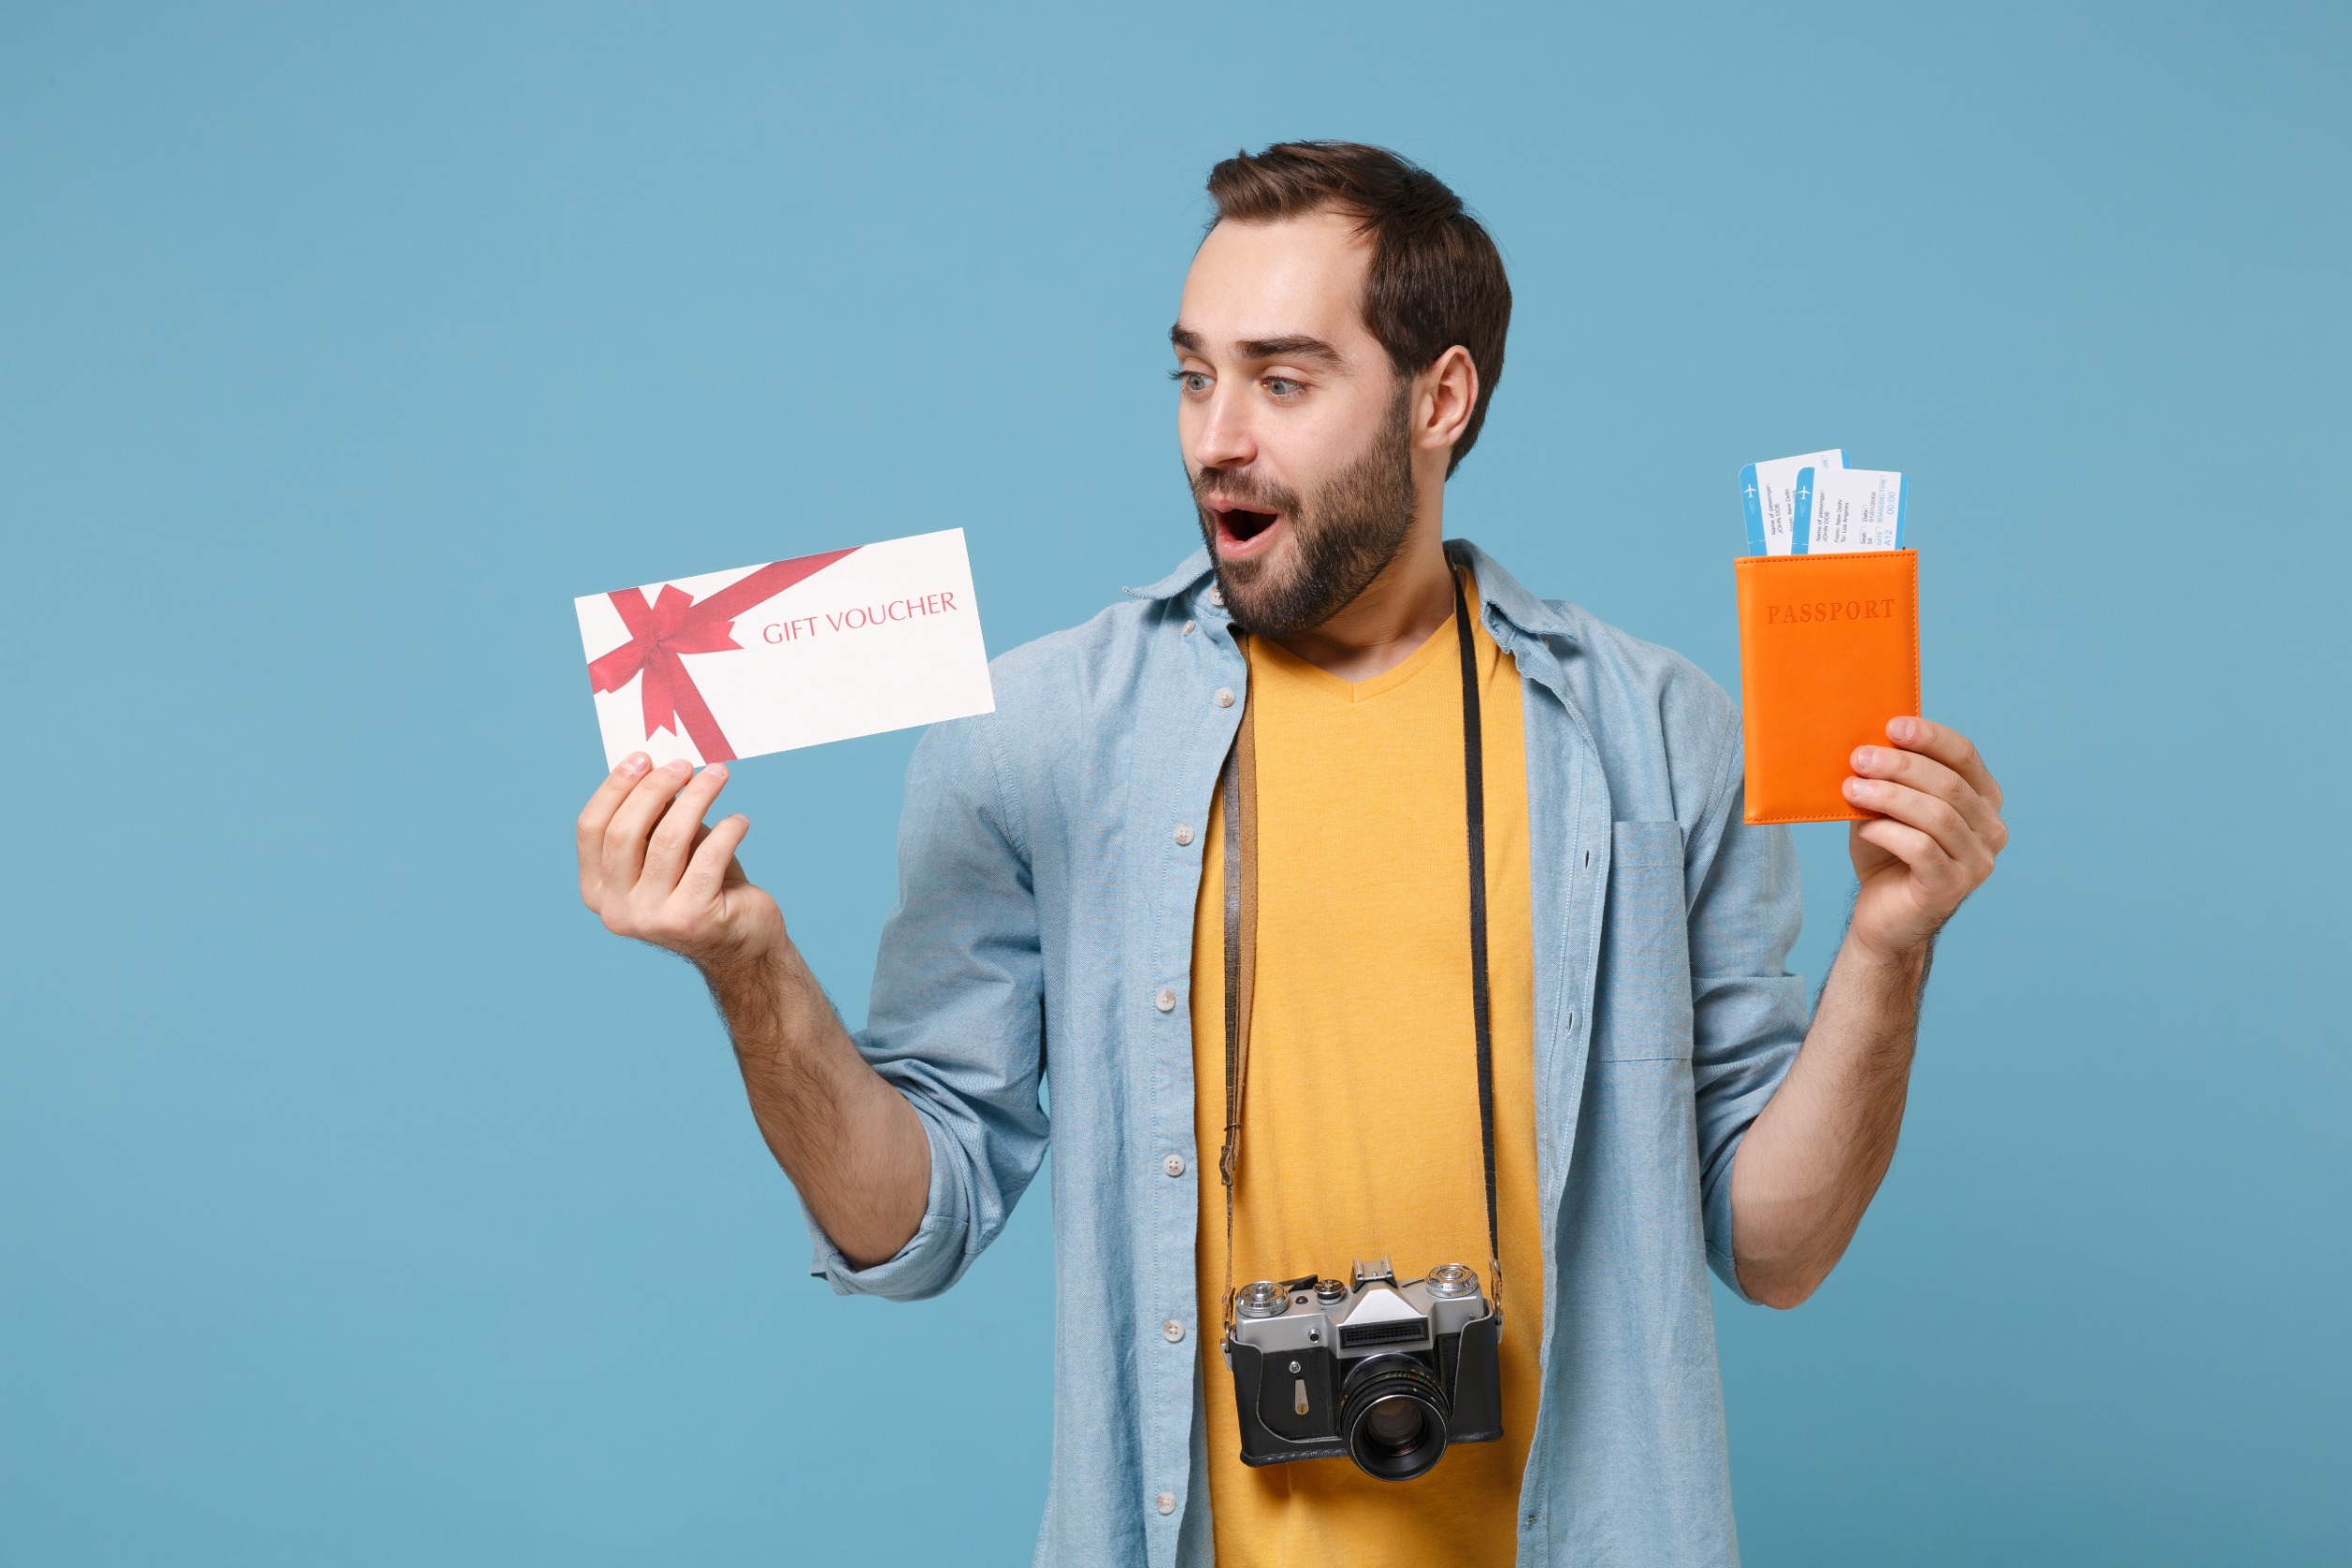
x=677, y=623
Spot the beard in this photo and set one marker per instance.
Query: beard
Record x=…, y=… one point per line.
x=1340, y=541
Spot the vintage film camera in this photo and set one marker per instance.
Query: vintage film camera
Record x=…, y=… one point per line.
x=1387, y=1375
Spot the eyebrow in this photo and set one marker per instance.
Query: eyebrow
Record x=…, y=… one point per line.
x=1297, y=346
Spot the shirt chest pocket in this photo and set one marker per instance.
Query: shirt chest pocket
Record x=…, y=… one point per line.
x=1642, y=1002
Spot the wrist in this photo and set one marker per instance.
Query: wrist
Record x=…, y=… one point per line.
x=745, y=949
x=752, y=983
x=1895, y=958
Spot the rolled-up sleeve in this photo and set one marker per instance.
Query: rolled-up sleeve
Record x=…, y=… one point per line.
x=1749, y=1013
x=957, y=1018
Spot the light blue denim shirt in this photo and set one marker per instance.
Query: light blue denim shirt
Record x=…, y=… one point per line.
x=1044, y=936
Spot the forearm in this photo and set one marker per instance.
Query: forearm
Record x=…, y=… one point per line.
x=852, y=1146
x=1810, y=1165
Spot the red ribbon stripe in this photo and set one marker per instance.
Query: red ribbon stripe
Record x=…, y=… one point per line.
x=676, y=623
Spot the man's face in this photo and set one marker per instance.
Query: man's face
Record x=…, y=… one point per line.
x=1294, y=425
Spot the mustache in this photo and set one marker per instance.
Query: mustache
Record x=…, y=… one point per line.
x=1238, y=485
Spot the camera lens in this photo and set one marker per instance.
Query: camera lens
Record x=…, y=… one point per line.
x=1395, y=1426
x=1393, y=1414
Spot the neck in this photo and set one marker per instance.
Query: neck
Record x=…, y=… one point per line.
x=1397, y=611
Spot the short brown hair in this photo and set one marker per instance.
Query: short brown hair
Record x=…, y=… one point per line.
x=1435, y=278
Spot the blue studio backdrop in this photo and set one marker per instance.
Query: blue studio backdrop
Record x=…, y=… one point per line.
x=362, y=1201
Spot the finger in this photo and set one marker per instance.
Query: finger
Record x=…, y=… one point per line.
x=713, y=863
x=1949, y=747
x=1908, y=845
x=1938, y=817
x=673, y=839
x=1923, y=773
x=1865, y=854
x=625, y=835
x=597, y=814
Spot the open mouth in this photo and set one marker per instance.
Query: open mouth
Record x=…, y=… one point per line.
x=1240, y=527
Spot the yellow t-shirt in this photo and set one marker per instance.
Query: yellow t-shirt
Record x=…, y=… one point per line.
x=1360, y=1126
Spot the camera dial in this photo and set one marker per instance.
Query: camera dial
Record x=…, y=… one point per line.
x=1262, y=1298
x=1450, y=1280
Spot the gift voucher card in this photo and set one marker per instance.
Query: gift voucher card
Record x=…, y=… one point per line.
x=1849, y=508
x=790, y=653
x=1769, y=491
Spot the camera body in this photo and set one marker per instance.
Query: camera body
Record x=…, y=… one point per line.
x=1384, y=1374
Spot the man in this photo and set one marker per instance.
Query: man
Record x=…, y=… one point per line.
x=1063, y=909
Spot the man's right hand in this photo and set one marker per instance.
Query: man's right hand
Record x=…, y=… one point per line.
x=650, y=869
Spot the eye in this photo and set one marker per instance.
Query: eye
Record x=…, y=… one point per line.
x=1195, y=382
x=1284, y=386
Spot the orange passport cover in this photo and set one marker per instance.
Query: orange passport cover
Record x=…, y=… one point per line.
x=1828, y=652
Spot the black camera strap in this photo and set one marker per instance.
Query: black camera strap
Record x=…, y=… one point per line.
x=1238, y=783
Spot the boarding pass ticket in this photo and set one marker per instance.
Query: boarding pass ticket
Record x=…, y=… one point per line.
x=1814, y=505
x=1769, y=490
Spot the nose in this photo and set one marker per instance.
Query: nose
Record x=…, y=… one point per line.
x=1223, y=438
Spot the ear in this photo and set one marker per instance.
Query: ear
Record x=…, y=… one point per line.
x=1444, y=395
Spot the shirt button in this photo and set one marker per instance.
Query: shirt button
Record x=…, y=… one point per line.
x=1190, y=626
x=1216, y=596
x=1165, y=1502
x=1174, y=1165
x=1165, y=1002
x=1172, y=1331
x=1184, y=833
x=1225, y=697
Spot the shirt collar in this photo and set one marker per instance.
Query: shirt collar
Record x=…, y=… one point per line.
x=1194, y=567
x=1499, y=593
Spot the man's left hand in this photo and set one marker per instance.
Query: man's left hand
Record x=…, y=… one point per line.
x=1933, y=842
